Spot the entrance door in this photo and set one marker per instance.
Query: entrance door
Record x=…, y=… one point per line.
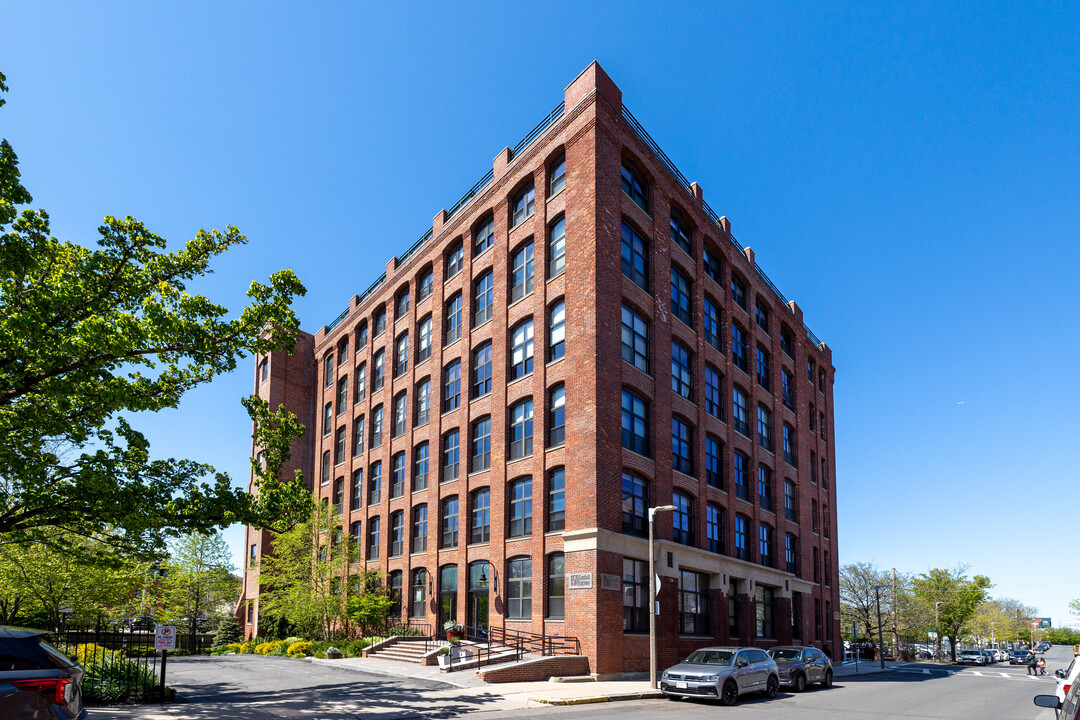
x=479, y=581
x=448, y=586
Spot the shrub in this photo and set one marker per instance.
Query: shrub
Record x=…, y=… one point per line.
x=269, y=648
x=118, y=681
x=248, y=648
x=291, y=640
x=229, y=632
x=90, y=652
x=302, y=648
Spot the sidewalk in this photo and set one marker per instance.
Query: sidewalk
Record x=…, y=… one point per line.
x=866, y=667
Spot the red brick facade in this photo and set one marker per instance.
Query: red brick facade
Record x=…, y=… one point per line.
x=596, y=138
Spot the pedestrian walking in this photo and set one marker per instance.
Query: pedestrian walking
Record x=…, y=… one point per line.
x=1032, y=664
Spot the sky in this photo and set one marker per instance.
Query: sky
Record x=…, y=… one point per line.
x=909, y=173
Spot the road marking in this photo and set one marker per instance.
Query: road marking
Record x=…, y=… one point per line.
x=925, y=671
x=976, y=672
x=1005, y=675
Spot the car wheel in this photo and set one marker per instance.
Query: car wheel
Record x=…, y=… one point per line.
x=800, y=682
x=827, y=682
x=772, y=686
x=730, y=694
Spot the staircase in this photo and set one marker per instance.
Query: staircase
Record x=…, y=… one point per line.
x=404, y=650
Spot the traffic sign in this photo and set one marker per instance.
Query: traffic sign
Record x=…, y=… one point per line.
x=164, y=637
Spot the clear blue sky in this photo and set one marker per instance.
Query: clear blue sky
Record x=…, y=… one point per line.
x=909, y=173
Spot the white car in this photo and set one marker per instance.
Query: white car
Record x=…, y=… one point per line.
x=1064, y=683
x=975, y=657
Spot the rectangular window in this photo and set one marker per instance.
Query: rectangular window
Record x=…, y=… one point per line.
x=342, y=394
x=379, y=322
x=714, y=528
x=327, y=419
x=522, y=206
x=521, y=272
x=452, y=386
x=680, y=233
x=557, y=331
x=455, y=260
x=682, y=440
x=789, y=445
x=264, y=371
x=635, y=257
x=740, y=412
x=557, y=176
x=764, y=427
x=765, y=546
x=635, y=186
x=682, y=518
x=682, y=370
x=711, y=318
x=356, y=491
x=740, y=462
x=521, y=508
x=635, y=423
x=714, y=392
x=339, y=445
x=681, y=293
x=397, y=534
x=484, y=237
x=712, y=264
x=401, y=415
x=787, y=389
x=765, y=488
x=480, y=455
x=378, y=371
x=423, y=340
x=738, y=291
x=375, y=483
x=521, y=350
x=480, y=514
x=742, y=550
x=763, y=375
x=373, y=539
x=521, y=430
x=556, y=506
x=790, y=507
x=557, y=416
x=397, y=475
x=483, y=299
x=693, y=603
x=401, y=355
x=361, y=383
x=449, y=522
x=328, y=371
x=761, y=316
x=450, y=455
x=423, y=402
x=519, y=589
x=401, y=304
x=420, y=467
x=738, y=347
x=714, y=468
x=635, y=504
x=791, y=554
x=419, y=531
x=425, y=285
x=557, y=248
x=452, y=326
x=785, y=341
x=481, y=371
x=635, y=596
x=635, y=339
x=556, y=587
x=765, y=611
x=324, y=478
x=376, y=426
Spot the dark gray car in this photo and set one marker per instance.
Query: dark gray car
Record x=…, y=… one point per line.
x=722, y=672
x=37, y=681
x=799, y=665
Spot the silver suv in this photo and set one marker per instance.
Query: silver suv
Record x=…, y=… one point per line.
x=801, y=665
x=724, y=673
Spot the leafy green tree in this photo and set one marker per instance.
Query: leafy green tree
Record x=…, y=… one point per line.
x=229, y=631
x=956, y=598
x=1074, y=607
x=198, y=585
x=858, y=602
x=370, y=608
x=92, y=335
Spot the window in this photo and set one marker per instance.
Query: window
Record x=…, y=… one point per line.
x=451, y=386
x=761, y=315
x=821, y=380
x=810, y=369
x=680, y=232
x=741, y=464
x=480, y=457
x=420, y=467
x=361, y=383
x=522, y=206
x=813, y=467
x=682, y=439
x=712, y=264
x=635, y=596
x=556, y=500
x=813, y=515
x=635, y=423
x=635, y=339
x=483, y=298
x=714, y=528
x=264, y=371
x=339, y=445
x=328, y=371
x=682, y=519
x=557, y=330
x=790, y=507
x=521, y=272
x=825, y=520
x=252, y=556
x=711, y=318
x=425, y=285
x=817, y=567
x=827, y=567
x=521, y=507
x=556, y=421
x=481, y=370
x=393, y=589
x=764, y=608
x=356, y=533
x=418, y=606
x=734, y=615
x=480, y=516
x=789, y=445
x=682, y=370
x=449, y=522
x=401, y=304
x=714, y=468
x=453, y=320
x=764, y=488
x=824, y=434
x=634, y=185
x=361, y=336
x=484, y=237
x=635, y=257
x=327, y=418
x=375, y=482
x=358, y=436
x=450, y=455
x=519, y=589
x=250, y=612
x=787, y=389
x=423, y=340
x=379, y=322
x=740, y=411
x=557, y=175
x=376, y=426
x=339, y=495
x=556, y=586
x=738, y=291
x=378, y=372
x=401, y=414
x=764, y=427
x=455, y=260
x=763, y=375
x=824, y=473
x=817, y=613
x=738, y=347
x=419, y=529
x=397, y=534
x=401, y=354
x=714, y=392
x=742, y=551
x=786, y=341
x=356, y=491
x=813, y=418
x=635, y=503
x=681, y=304
x=693, y=603
x=521, y=350
x=791, y=554
x=557, y=248
x=397, y=475
x=373, y=538
x=521, y=429
x=423, y=401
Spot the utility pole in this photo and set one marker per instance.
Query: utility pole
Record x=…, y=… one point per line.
x=652, y=595
x=895, y=623
x=937, y=632
x=880, y=641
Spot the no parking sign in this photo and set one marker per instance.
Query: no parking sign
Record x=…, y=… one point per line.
x=164, y=637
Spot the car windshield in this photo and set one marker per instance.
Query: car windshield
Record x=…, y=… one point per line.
x=784, y=653
x=710, y=657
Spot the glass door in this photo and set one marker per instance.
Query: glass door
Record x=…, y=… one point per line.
x=447, y=596
x=479, y=582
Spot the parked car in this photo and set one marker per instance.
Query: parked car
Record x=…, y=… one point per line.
x=37, y=680
x=1019, y=657
x=799, y=665
x=724, y=673
x=1069, y=709
x=1066, y=679
x=972, y=656
x=142, y=624
x=991, y=656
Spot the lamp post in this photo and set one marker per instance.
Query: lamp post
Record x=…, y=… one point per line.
x=937, y=632
x=652, y=595
x=880, y=640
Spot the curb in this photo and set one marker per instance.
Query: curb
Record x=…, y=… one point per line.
x=646, y=695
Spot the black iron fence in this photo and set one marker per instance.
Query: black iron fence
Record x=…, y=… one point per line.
x=121, y=667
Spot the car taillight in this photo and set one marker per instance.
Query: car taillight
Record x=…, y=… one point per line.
x=1066, y=688
x=58, y=690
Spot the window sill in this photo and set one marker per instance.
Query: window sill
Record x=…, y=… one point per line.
x=556, y=360
x=520, y=459
x=474, y=473
x=421, y=490
x=526, y=296
x=560, y=446
x=635, y=452
x=559, y=274
x=526, y=376
x=523, y=538
x=555, y=195
x=452, y=342
x=479, y=397
x=485, y=543
x=486, y=322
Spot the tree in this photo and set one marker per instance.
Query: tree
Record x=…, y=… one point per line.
x=229, y=631
x=858, y=602
x=1074, y=607
x=955, y=597
x=90, y=335
x=198, y=585
x=370, y=609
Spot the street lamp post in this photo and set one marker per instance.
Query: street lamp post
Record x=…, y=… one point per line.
x=880, y=640
x=937, y=632
x=652, y=595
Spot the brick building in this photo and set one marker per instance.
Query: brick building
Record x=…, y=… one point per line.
x=493, y=416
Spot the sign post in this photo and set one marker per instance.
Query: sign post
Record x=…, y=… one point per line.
x=164, y=640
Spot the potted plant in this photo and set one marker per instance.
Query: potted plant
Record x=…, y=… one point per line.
x=444, y=657
x=453, y=630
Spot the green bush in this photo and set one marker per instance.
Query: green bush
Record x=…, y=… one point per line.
x=291, y=640
x=303, y=648
x=118, y=681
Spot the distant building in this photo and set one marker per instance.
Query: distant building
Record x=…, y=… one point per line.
x=577, y=339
